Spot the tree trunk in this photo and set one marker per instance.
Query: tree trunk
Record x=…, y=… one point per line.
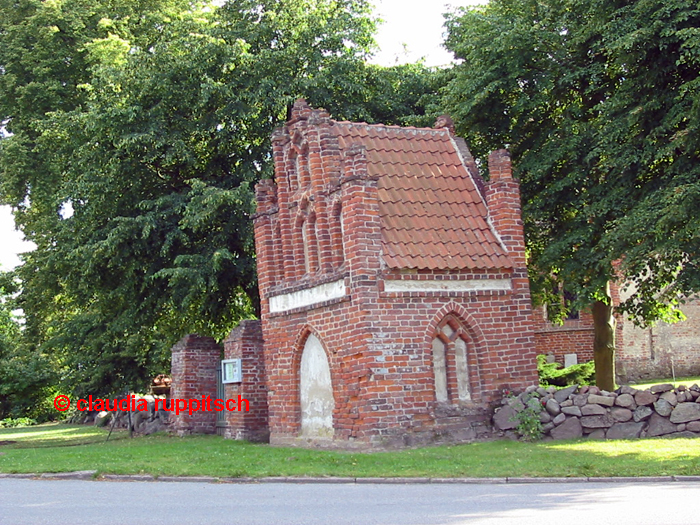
x=604, y=344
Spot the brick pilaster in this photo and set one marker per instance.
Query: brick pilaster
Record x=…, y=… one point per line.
x=194, y=362
x=246, y=343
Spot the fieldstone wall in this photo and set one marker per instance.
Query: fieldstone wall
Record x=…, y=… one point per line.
x=143, y=422
x=627, y=413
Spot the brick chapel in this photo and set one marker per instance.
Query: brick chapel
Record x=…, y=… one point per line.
x=394, y=290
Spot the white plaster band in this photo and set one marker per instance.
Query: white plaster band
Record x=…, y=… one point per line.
x=470, y=285
x=307, y=297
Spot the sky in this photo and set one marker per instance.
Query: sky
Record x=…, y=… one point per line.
x=412, y=30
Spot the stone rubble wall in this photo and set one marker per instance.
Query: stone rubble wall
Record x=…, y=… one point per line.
x=627, y=413
x=143, y=422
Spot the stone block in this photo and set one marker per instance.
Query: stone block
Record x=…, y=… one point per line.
x=642, y=413
x=572, y=411
x=693, y=426
x=559, y=419
x=603, y=421
x=552, y=407
x=601, y=400
x=670, y=397
x=624, y=431
x=659, y=389
x=626, y=401
x=580, y=399
x=569, y=429
x=562, y=395
x=504, y=419
x=597, y=434
x=685, y=412
x=659, y=425
x=593, y=410
x=663, y=407
x=620, y=414
x=644, y=398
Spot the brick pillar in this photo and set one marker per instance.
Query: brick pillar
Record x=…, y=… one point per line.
x=246, y=343
x=503, y=201
x=270, y=268
x=194, y=362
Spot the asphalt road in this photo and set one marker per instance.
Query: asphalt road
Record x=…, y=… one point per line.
x=40, y=502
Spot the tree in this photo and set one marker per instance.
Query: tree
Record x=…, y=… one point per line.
x=136, y=184
x=26, y=376
x=598, y=102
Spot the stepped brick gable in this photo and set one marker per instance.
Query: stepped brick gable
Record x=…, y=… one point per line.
x=395, y=299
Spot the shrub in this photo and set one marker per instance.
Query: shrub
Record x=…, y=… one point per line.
x=553, y=374
x=9, y=422
x=528, y=419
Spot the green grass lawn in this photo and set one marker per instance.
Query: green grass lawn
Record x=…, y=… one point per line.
x=687, y=381
x=63, y=448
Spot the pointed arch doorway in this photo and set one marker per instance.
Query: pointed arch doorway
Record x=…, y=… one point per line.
x=315, y=391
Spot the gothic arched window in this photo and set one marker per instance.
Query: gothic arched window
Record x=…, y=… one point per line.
x=450, y=362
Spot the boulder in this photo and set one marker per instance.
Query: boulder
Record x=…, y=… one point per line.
x=624, y=431
x=685, y=412
x=603, y=421
x=684, y=434
x=644, y=398
x=593, y=410
x=516, y=404
x=626, y=401
x=658, y=426
x=152, y=427
x=670, y=397
x=693, y=426
x=569, y=429
x=663, y=407
x=545, y=417
x=552, y=407
x=103, y=418
x=597, y=434
x=580, y=399
x=620, y=414
x=546, y=428
x=562, y=395
x=628, y=390
x=572, y=411
x=641, y=413
x=659, y=389
x=559, y=419
x=607, y=401
x=504, y=419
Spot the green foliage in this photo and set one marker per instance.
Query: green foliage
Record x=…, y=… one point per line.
x=25, y=375
x=139, y=130
x=9, y=422
x=599, y=103
x=529, y=424
x=553, y=374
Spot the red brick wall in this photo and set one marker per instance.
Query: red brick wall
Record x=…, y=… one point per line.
x=575, y=336
x=245, y=342
x=194, y=363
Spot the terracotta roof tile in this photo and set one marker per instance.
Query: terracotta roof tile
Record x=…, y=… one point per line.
x=432, y=215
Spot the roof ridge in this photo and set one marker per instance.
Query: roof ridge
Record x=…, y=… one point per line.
x=433, y=131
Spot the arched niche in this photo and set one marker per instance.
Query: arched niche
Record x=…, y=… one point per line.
x=315, y=391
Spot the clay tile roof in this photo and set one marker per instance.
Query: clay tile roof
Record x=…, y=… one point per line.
x=432, y=215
